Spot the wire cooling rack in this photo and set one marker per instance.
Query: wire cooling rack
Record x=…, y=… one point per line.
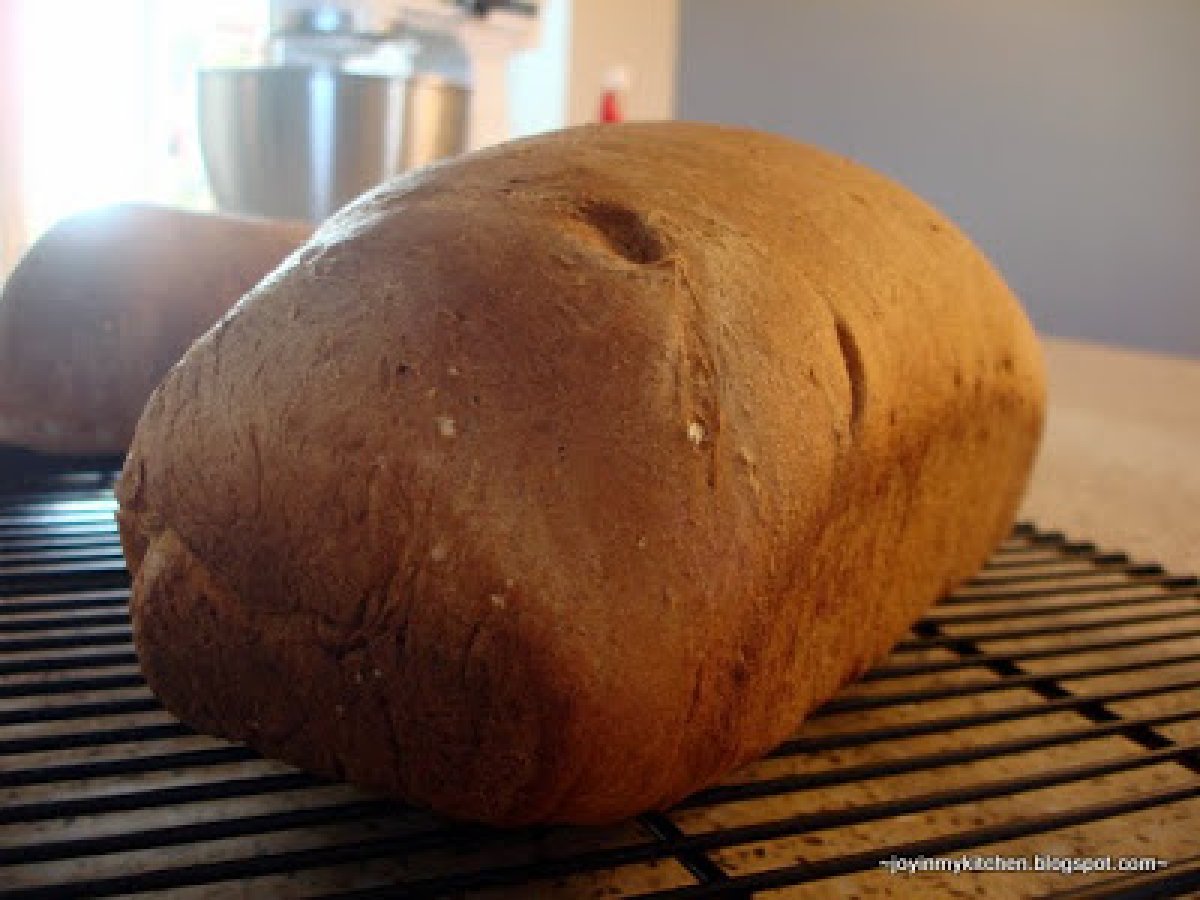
x=1046, y=716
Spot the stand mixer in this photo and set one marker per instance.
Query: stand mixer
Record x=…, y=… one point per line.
x=355, y=92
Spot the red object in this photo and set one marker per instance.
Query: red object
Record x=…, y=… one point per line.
x=610, y=107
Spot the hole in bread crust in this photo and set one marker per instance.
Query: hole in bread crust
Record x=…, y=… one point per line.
x=625, y=230
x=852, y=358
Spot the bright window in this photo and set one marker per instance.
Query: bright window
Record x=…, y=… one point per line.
x=109, y=98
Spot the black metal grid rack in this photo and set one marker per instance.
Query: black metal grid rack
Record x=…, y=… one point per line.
x=1050, y=707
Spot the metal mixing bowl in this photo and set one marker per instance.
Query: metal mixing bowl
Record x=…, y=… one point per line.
x=298, y=143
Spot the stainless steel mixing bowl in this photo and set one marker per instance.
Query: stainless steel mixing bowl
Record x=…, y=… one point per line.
x=298, y=143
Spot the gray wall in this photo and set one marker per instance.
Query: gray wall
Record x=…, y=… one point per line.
x=1063, y=135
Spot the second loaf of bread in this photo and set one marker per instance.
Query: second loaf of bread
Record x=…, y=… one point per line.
x=105, y=302
x=556, y=482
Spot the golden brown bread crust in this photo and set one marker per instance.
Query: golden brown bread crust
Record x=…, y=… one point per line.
x=105, y=302
x=564, y=478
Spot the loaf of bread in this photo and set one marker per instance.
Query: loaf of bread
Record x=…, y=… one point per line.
x=99, y=308
x=553, y=483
